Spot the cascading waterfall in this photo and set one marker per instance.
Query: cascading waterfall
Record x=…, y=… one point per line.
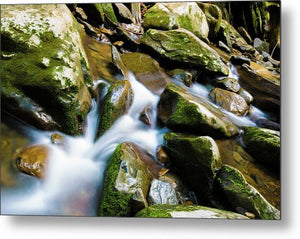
x=75, y=171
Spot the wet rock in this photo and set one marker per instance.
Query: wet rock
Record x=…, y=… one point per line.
x=184, y=47
x=147, y=71
x=181, y=111
x=245, y=35
x=116, y=103
x=229, y=101
x=246, y=95
x=162, y=156
x=33, y=160
x=47, y=76
x=145, y=115
x=265, y=181
x=260, y=83
x=224, y=47
x=196, y=158
x=161, y=192
x=187, y=211
x=182, y=75
x=268, y=124
x=263, y=145
x=267, y=57
x=57, y=139
x=260, y=45
x=127, y=182
x=239, y=60
x=168, y=16
x=228, y=83
x=240, y=194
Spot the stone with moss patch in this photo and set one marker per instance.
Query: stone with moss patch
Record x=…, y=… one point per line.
x=187, y=211
x=196, y=159
x=240, y=194
x=116, y=103
x=183, y=112
x=43, y=79
x=167, y=16
x=263, y=145
x=184, y=47
x=127, y=182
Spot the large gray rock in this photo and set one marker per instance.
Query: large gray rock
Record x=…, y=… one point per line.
x=44, y=68
x=187, y=211
x=183, y=112
x=242, y=195
x=185, y=15
x=184, y=47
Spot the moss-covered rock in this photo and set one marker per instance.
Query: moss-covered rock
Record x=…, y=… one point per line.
x=229, y=101
x=127, y=182
x=242, y=195
x=187, y=211
x=196, y=159
x=147, y=71
x=116, y=103
x=33, y=160
x=183, y=112
x=168, y=16
x=44, y=69
x=184, y=47
x=263, y=145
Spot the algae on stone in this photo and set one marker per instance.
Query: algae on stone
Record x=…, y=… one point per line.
x=187, y=211
x=184, y=47
x=183, y=112
x=240, y=194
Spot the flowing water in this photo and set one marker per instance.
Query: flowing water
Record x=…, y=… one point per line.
x=75, y=171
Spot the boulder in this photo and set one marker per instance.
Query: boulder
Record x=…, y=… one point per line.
x=162, y=192
x=147, y=71
x=187, y=211
x=246, y=95
x=183, y=46
x=168, y=16
x=44, y=68
x=229, y=101
x=116, y=102
x=183, y=76
x=183, y=112
x=245, y=35
x=263, y=145
x=242, y=195
x=33, y=160
x=127, y=182
x=146, y=115
x=260, y=45
x=228, y=83
x=196, y=159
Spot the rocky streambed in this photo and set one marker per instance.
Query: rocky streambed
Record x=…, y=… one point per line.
x=141, y=109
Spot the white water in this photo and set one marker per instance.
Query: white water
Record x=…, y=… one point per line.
x=75, y=172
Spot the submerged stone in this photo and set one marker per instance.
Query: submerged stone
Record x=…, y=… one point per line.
x=229, y=101
x=47, y=68
x=240, y=194
x=187, y=211
x=196, y=158
x=263, y=145
x=181, y=111
x=184, y=47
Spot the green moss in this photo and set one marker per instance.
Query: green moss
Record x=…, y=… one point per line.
x=106, y=10
x=113, y=202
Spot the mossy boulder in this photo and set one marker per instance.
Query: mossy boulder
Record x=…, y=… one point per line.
x=184, y=47
x=229, y=101
x=196, y=159
x=264, y=145
x=168, y=16
x=44, y=68
x=187, y=211
x=147, y=71
x=33, y=160
x=242, y=195
x=127, y=182
x=184, y=112
x=116, y=102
